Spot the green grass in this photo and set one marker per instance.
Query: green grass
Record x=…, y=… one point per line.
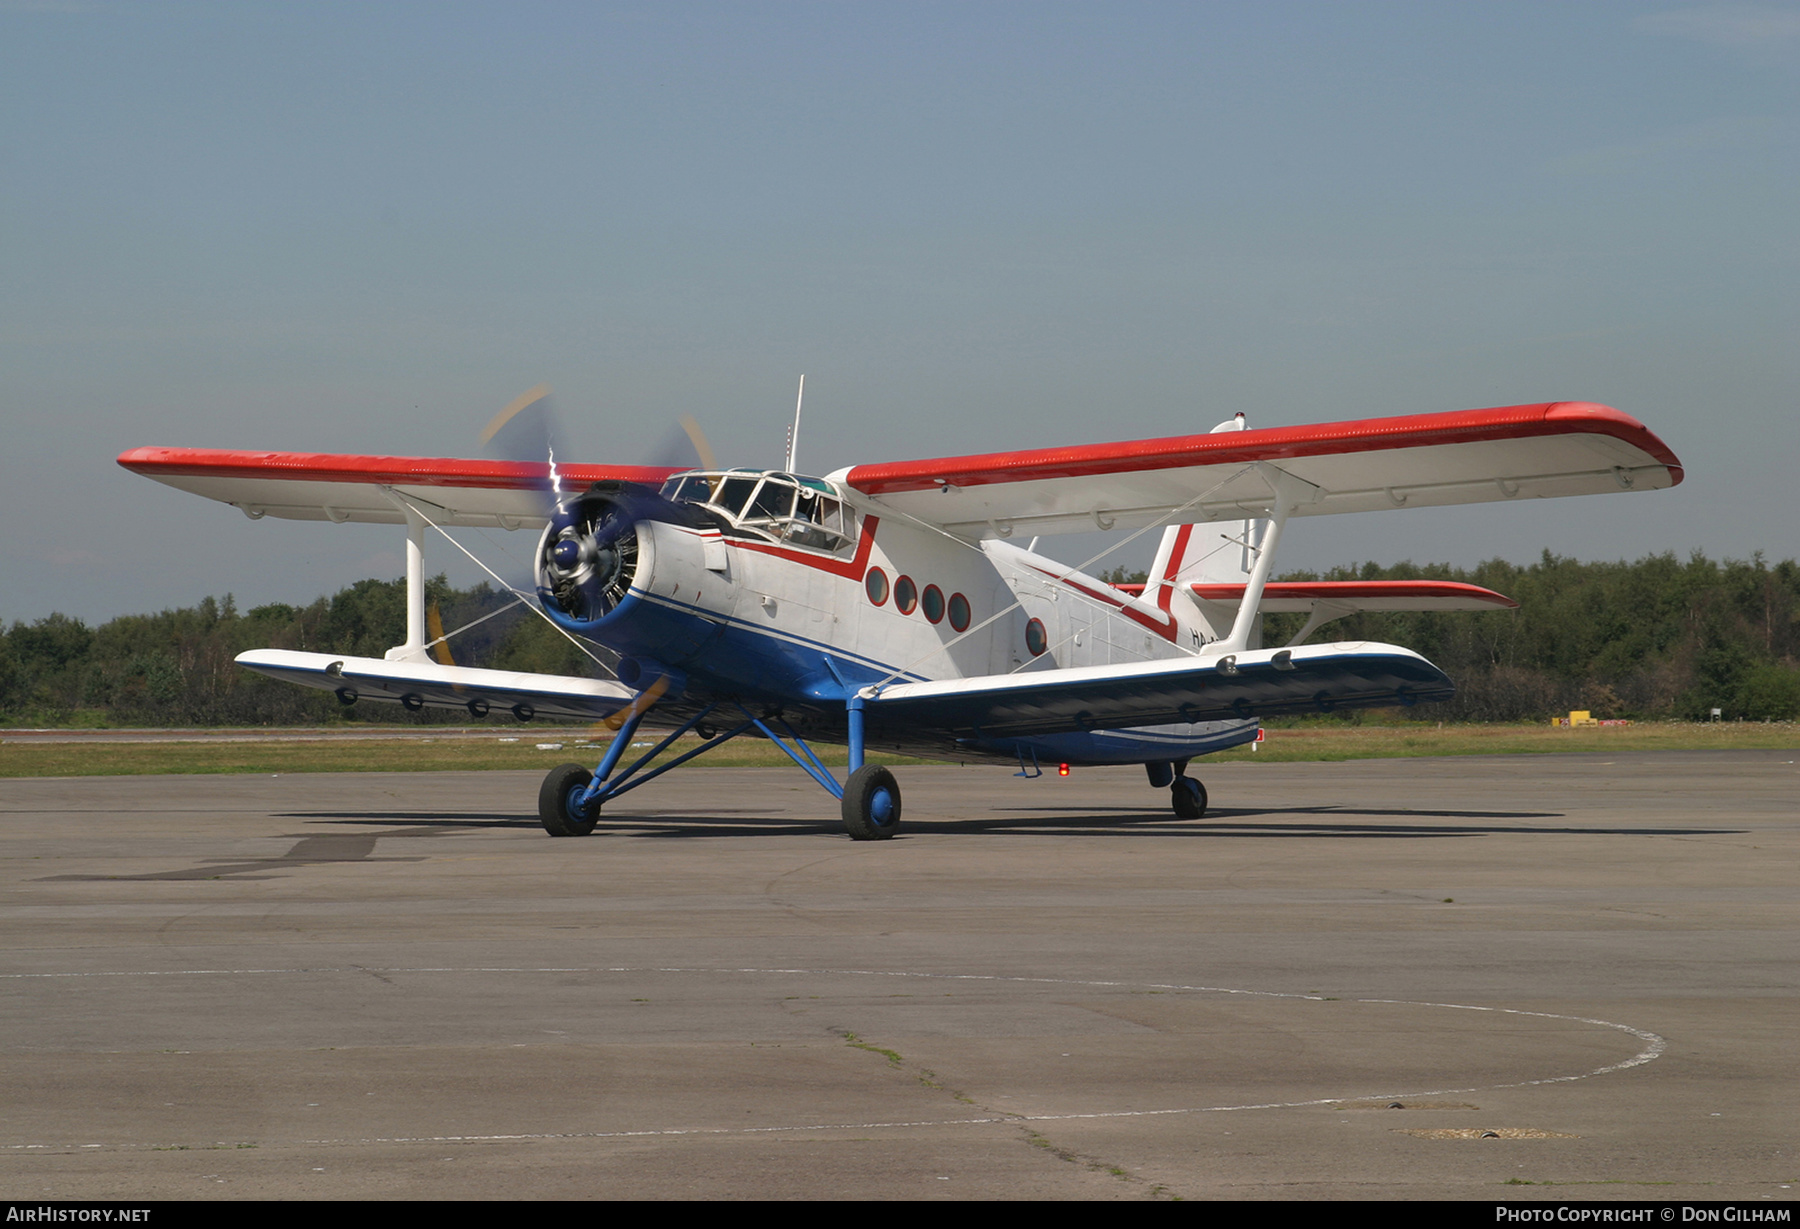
x=212, y=752
x=275, y=754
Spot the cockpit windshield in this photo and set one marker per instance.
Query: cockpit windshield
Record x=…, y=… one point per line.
x=782, y=507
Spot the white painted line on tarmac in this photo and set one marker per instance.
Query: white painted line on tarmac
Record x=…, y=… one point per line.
x=1653, y=1047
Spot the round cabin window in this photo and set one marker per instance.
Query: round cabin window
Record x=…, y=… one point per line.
x=933, y=602
x=1036, y=639
x=959, y=612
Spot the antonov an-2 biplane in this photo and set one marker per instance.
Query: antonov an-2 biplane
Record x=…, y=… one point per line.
x=889, y=606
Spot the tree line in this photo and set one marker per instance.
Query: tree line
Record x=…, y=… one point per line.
x=177, y=669
x=1659, y=638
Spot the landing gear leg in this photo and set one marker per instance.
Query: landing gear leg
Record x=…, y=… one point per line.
x=1188, y=798
x=871, y=797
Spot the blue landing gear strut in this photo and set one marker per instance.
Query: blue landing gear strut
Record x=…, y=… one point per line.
x=870, y=796
x=571, y=797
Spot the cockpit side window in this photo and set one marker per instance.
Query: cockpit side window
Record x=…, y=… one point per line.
x=733, y=494
x=800, y=512
x=693, y=489
x=774, y=501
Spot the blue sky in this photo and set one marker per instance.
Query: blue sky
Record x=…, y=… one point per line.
x=366, y=227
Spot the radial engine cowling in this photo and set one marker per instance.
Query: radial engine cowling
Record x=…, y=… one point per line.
x=592, y=551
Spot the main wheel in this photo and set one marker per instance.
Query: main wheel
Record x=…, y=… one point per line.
x=871, y=804
x=556, y=802
x=1188, y=797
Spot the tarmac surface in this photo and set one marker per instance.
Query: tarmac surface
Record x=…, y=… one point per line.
x=1510, y=977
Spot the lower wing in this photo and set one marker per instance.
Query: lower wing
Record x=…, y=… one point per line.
x=1256, y=683
x=417, y=684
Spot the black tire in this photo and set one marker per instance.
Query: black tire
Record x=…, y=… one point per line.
x=554, y=810
x=871, y=804
x=1188, y=797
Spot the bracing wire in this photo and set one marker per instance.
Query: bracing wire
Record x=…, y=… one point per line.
x=526, y=599
x=1168, y=518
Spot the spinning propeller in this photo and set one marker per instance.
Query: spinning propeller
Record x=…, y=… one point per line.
x=588, y=554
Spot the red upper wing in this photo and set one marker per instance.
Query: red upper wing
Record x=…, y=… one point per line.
x=319, y=486
x=1547, y=449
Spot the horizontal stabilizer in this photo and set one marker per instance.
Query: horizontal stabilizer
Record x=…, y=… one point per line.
x=418, y=684
x=1353, y=596
x=1255, y=683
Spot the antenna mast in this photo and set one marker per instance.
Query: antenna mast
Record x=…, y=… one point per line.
x=793, y=435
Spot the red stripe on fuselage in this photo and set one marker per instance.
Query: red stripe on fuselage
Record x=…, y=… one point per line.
x=1166, y=629
x=850, y=569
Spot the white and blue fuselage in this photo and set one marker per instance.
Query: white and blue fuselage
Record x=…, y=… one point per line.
x=775, y=593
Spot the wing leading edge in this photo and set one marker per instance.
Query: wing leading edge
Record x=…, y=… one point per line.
x=1427, y=460
x=310, y=486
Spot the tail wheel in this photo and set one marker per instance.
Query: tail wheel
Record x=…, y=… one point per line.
x=871, y=804
x=1188, y=797
x=557, y=810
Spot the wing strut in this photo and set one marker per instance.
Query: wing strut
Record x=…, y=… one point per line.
x=415, y=591
x=414, y=648
x=1290, y=493
x=1322, y=613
